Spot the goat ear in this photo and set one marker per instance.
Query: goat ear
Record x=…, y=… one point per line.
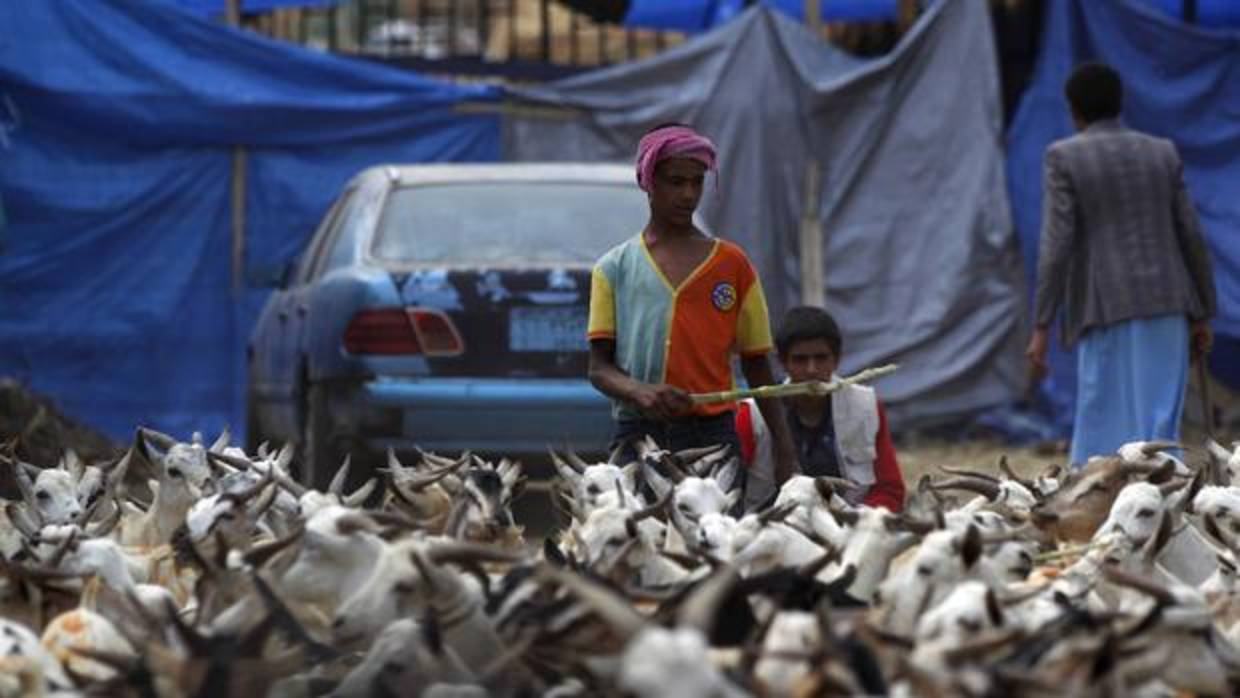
x=993, y=609
x=629, y=473
x=732, y=498
x=1159, y=540
x=971, y=546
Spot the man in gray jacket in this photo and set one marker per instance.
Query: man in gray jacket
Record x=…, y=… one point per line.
x=1122, y=255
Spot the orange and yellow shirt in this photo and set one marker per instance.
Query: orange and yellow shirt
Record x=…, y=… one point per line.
x=685, y=336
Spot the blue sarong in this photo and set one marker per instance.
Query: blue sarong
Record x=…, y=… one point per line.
x=1131, y=377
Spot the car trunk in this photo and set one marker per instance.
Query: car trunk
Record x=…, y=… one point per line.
x=514, y=323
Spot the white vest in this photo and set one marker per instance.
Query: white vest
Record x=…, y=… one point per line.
x=854, y=413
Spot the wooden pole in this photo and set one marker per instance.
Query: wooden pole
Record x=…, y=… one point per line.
x=233, y=13
x=813, y=289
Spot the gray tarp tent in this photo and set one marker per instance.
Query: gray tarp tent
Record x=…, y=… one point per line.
x=919, y=258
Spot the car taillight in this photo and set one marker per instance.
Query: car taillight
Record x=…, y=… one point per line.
x=397, y=331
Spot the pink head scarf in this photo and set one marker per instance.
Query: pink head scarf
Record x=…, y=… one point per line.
x=671, y=142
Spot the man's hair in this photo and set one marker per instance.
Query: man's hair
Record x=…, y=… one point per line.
x=1095, y=92
x=804, y=323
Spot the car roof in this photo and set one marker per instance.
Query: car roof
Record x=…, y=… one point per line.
x=502, y=172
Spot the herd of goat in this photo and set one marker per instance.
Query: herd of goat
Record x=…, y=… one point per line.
x=188, y=569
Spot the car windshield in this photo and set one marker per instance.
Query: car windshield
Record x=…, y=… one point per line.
x=507, y=223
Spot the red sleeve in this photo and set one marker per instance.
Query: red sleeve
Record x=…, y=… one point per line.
x=888, y=488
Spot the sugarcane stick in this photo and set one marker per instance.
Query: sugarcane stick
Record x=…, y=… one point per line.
x=784, y=390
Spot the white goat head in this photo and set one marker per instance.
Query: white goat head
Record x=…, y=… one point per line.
x=693, y=498
x=970, y=609
x=1135, y=512
x=1225, y=464
x=591, y=483
x=54, y=493
x=482, y=510
x=941, y=560
x=22, y=654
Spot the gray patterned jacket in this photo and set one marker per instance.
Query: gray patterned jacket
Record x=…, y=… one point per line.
x=1120, y=238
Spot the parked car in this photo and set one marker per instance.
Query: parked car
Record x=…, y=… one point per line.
x=443, y=307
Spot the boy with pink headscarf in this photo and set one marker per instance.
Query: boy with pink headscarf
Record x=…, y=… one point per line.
x=671, y=307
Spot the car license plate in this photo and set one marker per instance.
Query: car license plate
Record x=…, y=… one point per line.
x=560, y=328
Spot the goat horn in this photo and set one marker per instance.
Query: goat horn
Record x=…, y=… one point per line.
x=575, y=461
x=1151, y=448
x=259, y=555
x=42, y=573
x=983, y=487
x=969, y=473
x=221, y=442
x=690, y=455
x=337, y=484
x=613, y=458
x=108, y=526
x=361, y=494
x=18, y=517
x=393, y=462
x=776, y=513
x=1011, y=475
x=702, y=605
x=158, y=438
x=421, y=482
x=1146, y=586
x=62, y=549
x=238, y=463
x=653, y=509
x=624, y=501
x=603, y=568
x=245, y=495
x=441, y=553
x=563, y=464
x=813, y=567
x=617, y=612
x=825, y=486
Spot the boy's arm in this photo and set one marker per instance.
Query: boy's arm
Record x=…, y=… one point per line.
x=660, y=401
x=888, y=488
x=757, y=370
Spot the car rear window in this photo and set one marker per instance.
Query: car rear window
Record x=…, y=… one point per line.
x=507, y=223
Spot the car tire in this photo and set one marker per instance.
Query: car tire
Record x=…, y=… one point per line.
x=318, y=457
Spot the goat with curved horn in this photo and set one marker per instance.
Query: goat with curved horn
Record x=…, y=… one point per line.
x=969, y=473
x=1010, y=474
x=337, y=484
x=653, y=509
x=625, y=622
x=566, y=465
x=986, y=488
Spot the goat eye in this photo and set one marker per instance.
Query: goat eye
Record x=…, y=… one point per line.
x=924, y=571
x=1145, y=513
x=592, y=489
x=42, y=494
x=403, y=588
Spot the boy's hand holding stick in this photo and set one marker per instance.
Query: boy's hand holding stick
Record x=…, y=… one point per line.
x=793, y=389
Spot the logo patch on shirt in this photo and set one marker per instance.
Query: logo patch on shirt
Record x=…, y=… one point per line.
x=723, y=296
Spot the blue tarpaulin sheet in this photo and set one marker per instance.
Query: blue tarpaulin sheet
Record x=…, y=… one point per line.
x=116, y=283
x=211, y=8
x=1180, y=83
x=701, y=15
